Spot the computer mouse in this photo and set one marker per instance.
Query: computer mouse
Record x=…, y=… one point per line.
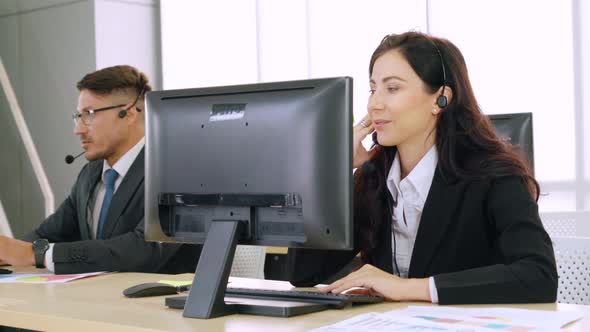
x=150, y=289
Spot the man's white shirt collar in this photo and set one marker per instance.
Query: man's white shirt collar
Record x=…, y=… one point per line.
x=124, y=163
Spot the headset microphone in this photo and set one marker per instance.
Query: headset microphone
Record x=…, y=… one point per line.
x=70, y=159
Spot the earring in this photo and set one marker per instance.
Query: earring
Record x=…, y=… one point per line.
x=435, y=111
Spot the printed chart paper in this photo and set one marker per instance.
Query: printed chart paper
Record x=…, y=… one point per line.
x=453, y=319
x=43, y=278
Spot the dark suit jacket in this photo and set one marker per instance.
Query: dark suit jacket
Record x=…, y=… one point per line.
x=124, y=247
x=483, y=242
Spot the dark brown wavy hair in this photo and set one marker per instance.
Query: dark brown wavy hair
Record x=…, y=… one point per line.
x=468, y=148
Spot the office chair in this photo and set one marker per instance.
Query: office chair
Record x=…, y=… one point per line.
x=572, y=255
x=249, y=262
x=563, y=224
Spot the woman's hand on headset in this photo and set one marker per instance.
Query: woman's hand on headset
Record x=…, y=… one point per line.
x=359, y=154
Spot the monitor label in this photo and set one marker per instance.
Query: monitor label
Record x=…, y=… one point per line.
x=225, y=112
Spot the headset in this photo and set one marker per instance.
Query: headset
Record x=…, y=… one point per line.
x=123, y=113
x=441, y=101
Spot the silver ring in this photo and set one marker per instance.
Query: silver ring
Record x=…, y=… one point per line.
x=363, y=123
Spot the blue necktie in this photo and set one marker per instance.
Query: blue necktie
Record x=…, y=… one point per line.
x=110, y=176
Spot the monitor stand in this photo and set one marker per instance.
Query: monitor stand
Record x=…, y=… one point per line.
x=206, y=296
x=253, y=306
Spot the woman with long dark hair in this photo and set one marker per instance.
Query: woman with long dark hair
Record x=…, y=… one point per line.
x=444, y=210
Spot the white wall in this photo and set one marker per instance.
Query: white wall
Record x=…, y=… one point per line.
x=232, y=42
x=520, y=54
x=208, y=43
x=582, y=21
x=129, y=33
x=522, y=63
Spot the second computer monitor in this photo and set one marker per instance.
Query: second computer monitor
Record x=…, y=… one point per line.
x=516, y=129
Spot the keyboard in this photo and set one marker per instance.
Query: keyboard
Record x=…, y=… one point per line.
x=338, y=300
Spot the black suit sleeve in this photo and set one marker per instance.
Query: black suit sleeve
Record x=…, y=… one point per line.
x=123, y=253
x=524, y=269
x=62, y=225
x=127, y=250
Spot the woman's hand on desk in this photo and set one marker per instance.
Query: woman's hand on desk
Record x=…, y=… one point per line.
x=379, y=282
x=16, y=252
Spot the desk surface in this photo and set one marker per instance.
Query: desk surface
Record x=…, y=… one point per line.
x=96, y=304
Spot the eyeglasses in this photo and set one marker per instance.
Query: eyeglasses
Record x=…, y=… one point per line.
x=88, y=116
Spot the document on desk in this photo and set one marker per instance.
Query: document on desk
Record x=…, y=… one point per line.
x=453, y=319
x=43, y=277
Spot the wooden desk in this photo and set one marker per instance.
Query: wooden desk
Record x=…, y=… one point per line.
x=96, y=304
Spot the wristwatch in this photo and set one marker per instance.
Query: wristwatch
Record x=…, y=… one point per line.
x=40, y=246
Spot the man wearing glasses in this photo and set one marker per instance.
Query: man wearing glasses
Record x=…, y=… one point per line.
x=100, y=227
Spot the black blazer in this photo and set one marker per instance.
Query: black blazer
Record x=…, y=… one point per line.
x=482, y=240
x=124, y=247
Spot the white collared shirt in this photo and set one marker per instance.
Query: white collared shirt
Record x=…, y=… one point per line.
x=122, y=167
x=409, y=196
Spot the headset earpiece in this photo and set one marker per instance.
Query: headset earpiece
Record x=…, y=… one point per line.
x=441, y=101
x=122, y=114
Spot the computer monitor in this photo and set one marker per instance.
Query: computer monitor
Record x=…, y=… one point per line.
x=263, y=164
x=516, y=129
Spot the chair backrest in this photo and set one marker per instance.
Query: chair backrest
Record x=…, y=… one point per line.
x=249, y=262
x=572, y=255
x=573, y=223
